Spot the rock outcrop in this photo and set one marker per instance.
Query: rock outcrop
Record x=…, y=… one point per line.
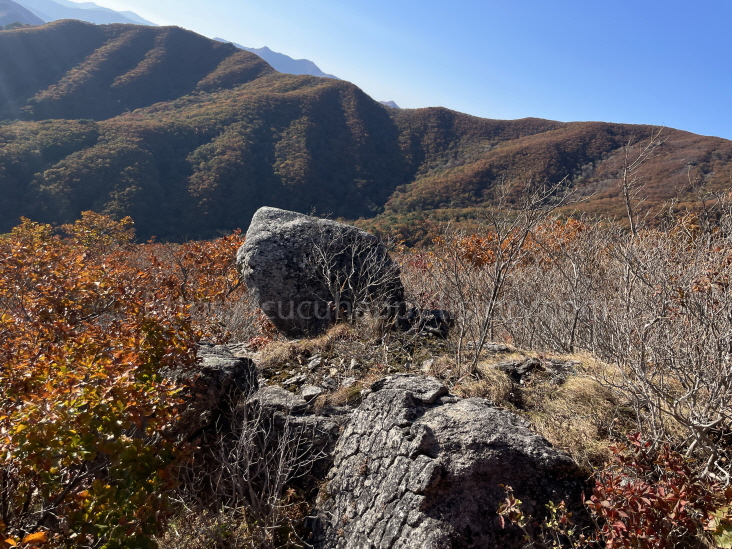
x=418, y=468
x=412, y=467
x=292, y=420
x=307, y=272
x=428, y=322
x=520, y=371
x=213, y=388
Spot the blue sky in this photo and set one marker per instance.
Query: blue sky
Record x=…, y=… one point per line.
x=643, y=61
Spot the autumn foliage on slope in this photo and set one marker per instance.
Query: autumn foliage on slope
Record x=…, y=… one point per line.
x=89, y=325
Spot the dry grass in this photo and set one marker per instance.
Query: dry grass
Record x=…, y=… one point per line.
x=230, y=529
x=613, y=376
x=492, y=384
x=342, y=395
x=441, y=367
x=583, y=416
x=580, y=416
x=283, y=351
x=204, y=530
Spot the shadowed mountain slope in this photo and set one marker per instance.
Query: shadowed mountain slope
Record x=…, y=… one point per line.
x=213, y=133
x=204, y=164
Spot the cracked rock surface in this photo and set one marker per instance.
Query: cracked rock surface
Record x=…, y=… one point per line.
x=289, y=415
x=418, y=468
x=213, y=387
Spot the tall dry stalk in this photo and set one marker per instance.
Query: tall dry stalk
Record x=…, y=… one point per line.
x=473, y=271
x=243, y=477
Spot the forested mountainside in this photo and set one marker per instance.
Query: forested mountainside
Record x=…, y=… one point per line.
x=72, y=69
x=190, y=136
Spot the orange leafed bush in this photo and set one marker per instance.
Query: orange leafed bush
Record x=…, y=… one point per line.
x=201, y=275
x=85, y=333
x=480, y=250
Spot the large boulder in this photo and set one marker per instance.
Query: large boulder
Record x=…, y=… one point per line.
x=418, y=468
x=307, y=272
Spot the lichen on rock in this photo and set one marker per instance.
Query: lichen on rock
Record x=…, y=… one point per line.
x=418, y=468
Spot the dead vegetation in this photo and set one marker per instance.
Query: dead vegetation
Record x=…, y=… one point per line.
x=653, y=305
x=579, y=414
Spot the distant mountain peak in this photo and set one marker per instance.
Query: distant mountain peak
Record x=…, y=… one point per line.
x=390, y=104
x=12, y=12
x=53, y=10
x=284, y=63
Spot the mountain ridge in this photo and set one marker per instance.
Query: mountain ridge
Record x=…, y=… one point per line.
x=99, y=71
x=190, y=136
x=54, y=10
x=12, y=12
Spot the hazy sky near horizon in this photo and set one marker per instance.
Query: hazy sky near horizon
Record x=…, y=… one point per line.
x=658, y=62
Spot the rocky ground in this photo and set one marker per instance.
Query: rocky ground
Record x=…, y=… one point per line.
x=381, y=434
x=400, y=451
